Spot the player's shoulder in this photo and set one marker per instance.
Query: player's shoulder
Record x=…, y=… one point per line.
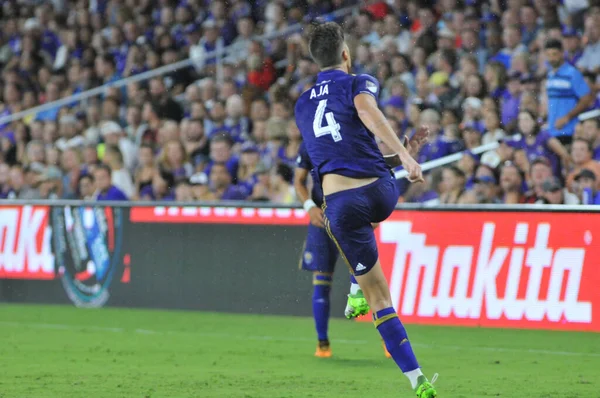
x=364, y=83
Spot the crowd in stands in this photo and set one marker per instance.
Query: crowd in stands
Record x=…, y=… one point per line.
x=517, y=72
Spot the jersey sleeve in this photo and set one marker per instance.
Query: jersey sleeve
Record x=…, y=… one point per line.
x=365, y=84
x=580, y=86
x=303, y=161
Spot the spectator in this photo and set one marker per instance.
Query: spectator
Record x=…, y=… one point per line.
x=536, y=143
x=120, y=176
x=71, y=165
x=453, y=185
x=511, y=101
x=70, y=137
x=200, y=188
x=282, y=190
x=511, y=184
x=582, y=156
x=160, y=188
x=145, y=168
x=86, y=187
x=586, y=187
x=183, y=191
x=591, y=133
x=18, y=188
x=485, y=190
x=554, y=194
x=221, y=151
x=49, y=183
x=114, y=135
x=568, y=94
x=590, y=59
x=222, y=186
x=572, y=44
x=104, y=190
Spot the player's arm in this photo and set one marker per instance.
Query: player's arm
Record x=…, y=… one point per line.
x=302, y=192
x=375, y=121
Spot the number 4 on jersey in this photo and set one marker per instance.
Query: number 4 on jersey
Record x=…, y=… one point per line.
x=331, y=126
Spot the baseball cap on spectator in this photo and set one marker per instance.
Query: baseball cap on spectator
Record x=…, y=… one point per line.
x=209, y=24
x=199, y=179
x=109, y=128
x=541, y=160
x=446, y=33
x=586, y=173
x=515, y=75
x=31, y=24
x=472, y=102
x=570, y=32
x=528, y=78
x=190, y=28
x=249, y=147
x=51, y=173
x=67, y=119
x=489, y=17
x=552, y=184
x=486, y=180
x=396, y=101
x=439, y=79
x=36, y=167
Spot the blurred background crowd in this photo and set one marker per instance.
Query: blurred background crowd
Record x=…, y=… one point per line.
x=221, y=127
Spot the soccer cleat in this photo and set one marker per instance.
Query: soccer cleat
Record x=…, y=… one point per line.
x=385, y=351
x=323, y=349
x=356, y=306
x=425, y=388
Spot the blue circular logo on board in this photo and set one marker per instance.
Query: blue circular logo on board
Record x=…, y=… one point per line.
x=87, y=247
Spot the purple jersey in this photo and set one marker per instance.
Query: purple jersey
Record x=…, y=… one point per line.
x=538, y=149
x=336, y=139
x=303, y=162
x=438, y=148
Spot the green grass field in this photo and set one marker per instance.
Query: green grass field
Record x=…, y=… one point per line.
x=65, y=352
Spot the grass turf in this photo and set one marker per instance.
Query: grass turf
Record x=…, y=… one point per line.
x=48, y=351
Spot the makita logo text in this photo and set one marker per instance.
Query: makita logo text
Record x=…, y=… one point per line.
x=25, y=250
x=493, y=278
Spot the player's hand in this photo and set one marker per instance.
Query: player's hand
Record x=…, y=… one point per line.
x=316, y=217
x=561, y=122
x=417, y=141
x=415, y=174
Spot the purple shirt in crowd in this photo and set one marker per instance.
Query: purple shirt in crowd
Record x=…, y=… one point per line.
x=113, y=193
x=538, y=149
x=510, y=108
x=234, y=192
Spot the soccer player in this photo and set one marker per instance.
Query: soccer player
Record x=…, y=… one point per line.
x=320, y=254
x=339, y=119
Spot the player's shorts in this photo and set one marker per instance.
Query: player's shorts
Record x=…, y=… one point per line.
x=349, y=215
x=319, y=253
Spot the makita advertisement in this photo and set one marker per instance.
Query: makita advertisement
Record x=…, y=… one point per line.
x=470, y=268
x=494, y=269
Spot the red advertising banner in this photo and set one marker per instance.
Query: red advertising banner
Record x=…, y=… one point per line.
x=494, y=269
x=25, y=250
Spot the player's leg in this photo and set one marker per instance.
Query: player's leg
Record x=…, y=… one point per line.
x=321, y=309
x=319, y=258
x=348, y=220
x=357, y=305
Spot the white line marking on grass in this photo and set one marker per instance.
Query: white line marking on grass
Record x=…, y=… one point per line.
x=57, y=326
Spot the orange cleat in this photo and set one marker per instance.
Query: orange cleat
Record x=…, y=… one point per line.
x=323, y=350
x=385, y=351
